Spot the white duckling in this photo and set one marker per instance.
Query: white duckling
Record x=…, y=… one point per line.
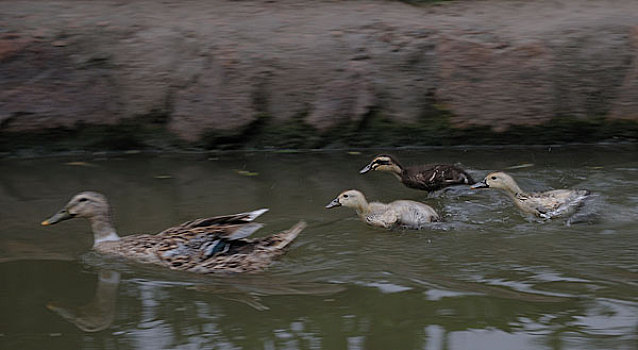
x=401, y=213
x=545, y=205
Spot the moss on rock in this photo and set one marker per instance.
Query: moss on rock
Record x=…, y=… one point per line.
x=375, y=131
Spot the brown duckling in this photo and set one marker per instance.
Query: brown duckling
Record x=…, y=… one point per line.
x=429, y=178
x=215, y=244
x=544, y=205
x=397, y=214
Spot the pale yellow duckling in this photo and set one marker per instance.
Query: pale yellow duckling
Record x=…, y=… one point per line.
x=216, y=244
x=545, y=205
x=397, y=214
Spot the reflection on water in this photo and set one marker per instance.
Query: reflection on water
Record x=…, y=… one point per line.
x=487, y=277
x=98, y=314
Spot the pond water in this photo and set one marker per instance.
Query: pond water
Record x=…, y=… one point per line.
x=486, y=278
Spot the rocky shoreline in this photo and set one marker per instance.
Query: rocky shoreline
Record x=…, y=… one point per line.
x=219, y=74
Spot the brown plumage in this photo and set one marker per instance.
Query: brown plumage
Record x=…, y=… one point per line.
x=215, y=244
x=430, y=177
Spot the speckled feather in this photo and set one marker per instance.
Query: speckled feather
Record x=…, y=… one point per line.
x=204, y=245
x=189, y=248
x=434, y=177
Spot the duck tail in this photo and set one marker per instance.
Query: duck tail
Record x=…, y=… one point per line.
x=282, y=239
x=252, y=215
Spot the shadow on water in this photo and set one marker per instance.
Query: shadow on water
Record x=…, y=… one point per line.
x=486, y=277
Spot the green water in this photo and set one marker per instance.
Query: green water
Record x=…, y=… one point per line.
x=485, y=278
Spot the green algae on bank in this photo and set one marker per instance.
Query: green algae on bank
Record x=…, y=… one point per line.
x=374, y=131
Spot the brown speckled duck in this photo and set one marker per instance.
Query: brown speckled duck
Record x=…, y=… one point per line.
x=397, y=214
x=544, y=205
x=429, y=178
x=216, y=244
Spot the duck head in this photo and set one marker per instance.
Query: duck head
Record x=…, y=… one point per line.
x=498, y=180
x=383, y=162
x=350, y=199
x=82, y=205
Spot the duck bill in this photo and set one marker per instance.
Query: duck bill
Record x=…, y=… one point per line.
x=366, y=169
x=59, y=216
x=482, y=184
x=333, y=204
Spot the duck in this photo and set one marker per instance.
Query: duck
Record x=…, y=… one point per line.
x=545, y=205
x=398, y=214
x=429, y=177
x=206, y=245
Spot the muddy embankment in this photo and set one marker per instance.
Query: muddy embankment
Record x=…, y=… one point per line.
x=315, y=74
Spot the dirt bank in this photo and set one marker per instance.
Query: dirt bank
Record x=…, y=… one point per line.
x=217, y=73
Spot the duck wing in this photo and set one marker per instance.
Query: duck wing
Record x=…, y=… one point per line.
x=414, y=215
x=253, y=255
x=233, y=226
x=234, y=220
x=181, y=247
x=387, y=219
x=198, y=240
x=555, y=203
x=206, y=245
x=436, y=176
x=191, y=242
x=205, y=250
x=568, y=201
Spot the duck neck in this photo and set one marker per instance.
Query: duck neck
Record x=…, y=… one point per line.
x=396, y=170
x=362, y=208
x=103, y=230
x=514, y=191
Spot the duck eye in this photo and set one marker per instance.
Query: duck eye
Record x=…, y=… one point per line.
x=493, y=177
x=82, y=200
x=345, y=196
